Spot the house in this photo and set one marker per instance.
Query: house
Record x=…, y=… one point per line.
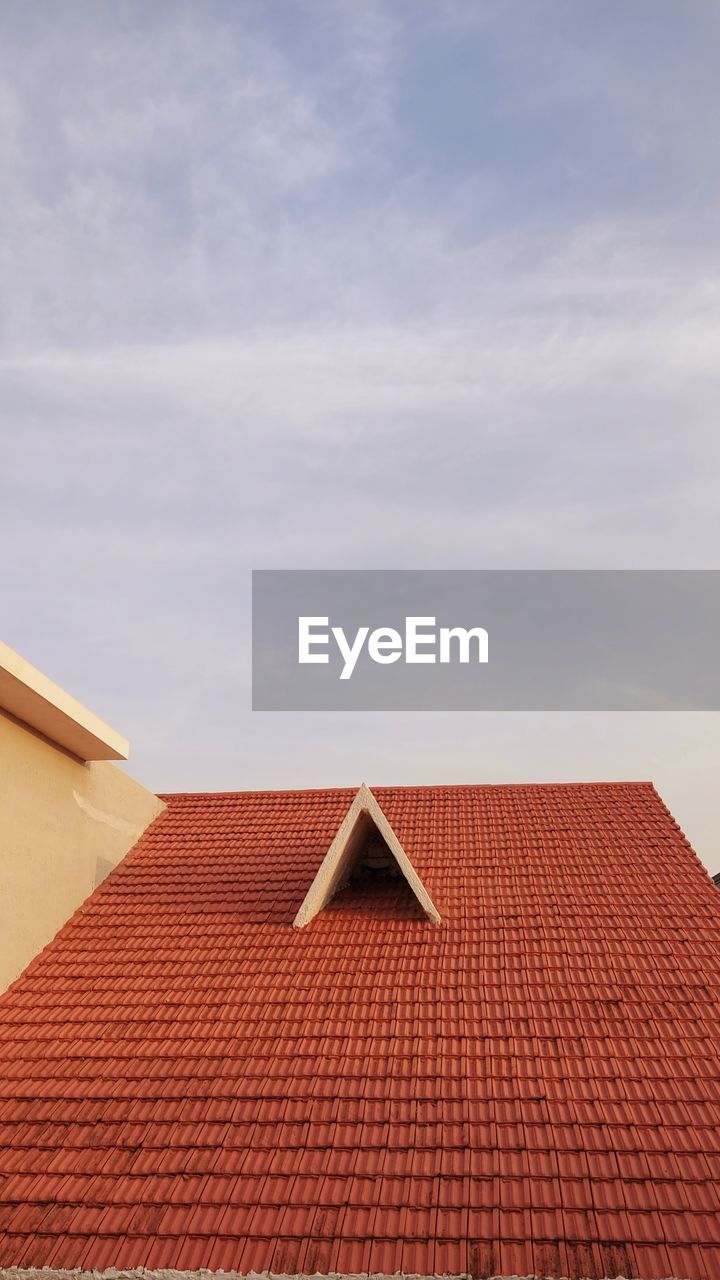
x=68, y=814
x=430, y=1030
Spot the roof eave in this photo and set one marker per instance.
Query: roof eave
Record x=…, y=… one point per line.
x=29, y=696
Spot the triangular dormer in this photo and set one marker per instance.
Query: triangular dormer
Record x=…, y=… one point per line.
x=365, y=839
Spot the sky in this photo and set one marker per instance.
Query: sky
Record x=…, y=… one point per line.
x=328, y=285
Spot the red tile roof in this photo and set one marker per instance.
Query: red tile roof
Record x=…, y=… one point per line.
x=531, y=1086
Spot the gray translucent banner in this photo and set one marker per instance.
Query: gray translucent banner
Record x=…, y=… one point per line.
x=551, y=640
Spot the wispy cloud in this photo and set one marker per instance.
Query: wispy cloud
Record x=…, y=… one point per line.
x=349, y=285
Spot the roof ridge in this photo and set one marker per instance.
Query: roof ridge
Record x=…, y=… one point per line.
x=615, y=783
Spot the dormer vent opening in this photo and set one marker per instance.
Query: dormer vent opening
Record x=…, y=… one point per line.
x=365, y=850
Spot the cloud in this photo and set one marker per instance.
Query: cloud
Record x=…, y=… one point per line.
x=342, y=285
x=554, y=396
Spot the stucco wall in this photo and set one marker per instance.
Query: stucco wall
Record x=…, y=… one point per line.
x=63, y=825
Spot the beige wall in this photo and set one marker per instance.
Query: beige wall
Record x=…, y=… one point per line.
x=63, y=825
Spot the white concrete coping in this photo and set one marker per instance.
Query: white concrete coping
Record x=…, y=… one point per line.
x=30, y=696
x=339, y=858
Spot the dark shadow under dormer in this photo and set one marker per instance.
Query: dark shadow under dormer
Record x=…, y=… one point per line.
x=374, y=884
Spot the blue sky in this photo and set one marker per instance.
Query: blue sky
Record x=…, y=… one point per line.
x=338, y=285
